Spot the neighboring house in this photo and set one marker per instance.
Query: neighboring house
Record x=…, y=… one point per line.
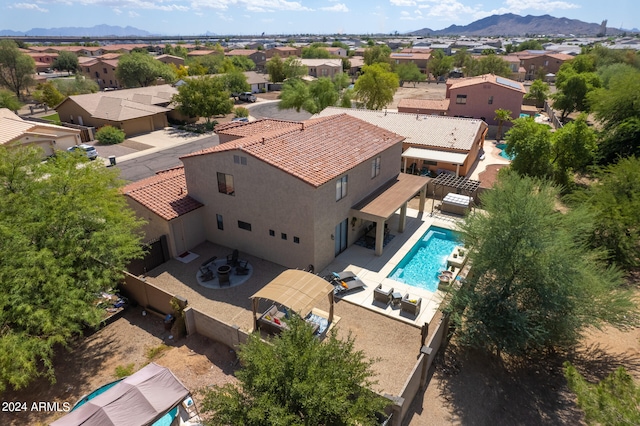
x=420, y=57
x=162, y=200
x=434, y=143
x=539, y=62
x=323, y=67
x=198, y=53
x=259, y=57
x=357, y=63
x=170, y=59
x=102, y=71
x=337, y=51
x=259, y=82
x=282, y=51
x=517, y=70
x=49, y=137
x=43, y=60
x=473, y=97
x=135, y=111
x=297, y=193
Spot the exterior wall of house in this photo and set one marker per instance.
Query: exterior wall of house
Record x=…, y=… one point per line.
x=324, y=71
x=547, y=63
x=478, y=98
x=282, y=53
x=186, y=232
x=103, y=74
x=154, y=227
x=271, y=200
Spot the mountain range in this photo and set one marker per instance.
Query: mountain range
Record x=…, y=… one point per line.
x=516, y=25
x=95, y=31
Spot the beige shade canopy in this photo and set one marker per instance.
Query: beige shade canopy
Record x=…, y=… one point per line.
x=298, y=290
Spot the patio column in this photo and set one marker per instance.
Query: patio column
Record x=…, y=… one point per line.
x=405, y=161
x=457, y=170
x=403, y=217
x=379, y=237
x=423, y=197
x=331, y=301
x=254, y=308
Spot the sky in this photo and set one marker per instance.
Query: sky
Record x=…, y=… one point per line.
x=253, y=17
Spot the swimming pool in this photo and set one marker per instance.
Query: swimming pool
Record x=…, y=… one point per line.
x=503, y=153
x=426, y=259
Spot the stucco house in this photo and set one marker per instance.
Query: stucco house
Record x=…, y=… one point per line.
x=282, y=51
x=433, y=143
x=540, y=62
x=323, y=67
x=102, y=71
x=135, y=111
x=48, y=137
x=420, y=57
x=292, y=193
x=473, y=97
x=259, y=57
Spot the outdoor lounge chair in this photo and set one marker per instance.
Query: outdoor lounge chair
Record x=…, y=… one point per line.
x=382, y=296
x=345, y=282
x=242, y=267
x=232, y=259
x=204, y=267
x=410, y=305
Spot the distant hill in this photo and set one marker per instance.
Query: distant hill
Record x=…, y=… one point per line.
x=516, y=25
x=95, y=31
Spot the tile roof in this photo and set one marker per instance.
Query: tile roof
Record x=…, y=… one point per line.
x=12, y=128
x=410, y=56
x=315, y=151
x=428, y=130
x=240, y=129
x=430, y=104
x=320, y=62
x=240, y=52
x=165, y=194
x=488, y=78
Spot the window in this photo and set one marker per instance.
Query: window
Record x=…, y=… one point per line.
x=375, y=167
x=220, y=222
x=240, y=160
x=341, y=188
x=546, y=63
x=283, y=236
x=104, y=70
x=272, y=233
x=461, y=99
x=244, y=225
x=490, y=100
x=225, y=184
x=296, y=240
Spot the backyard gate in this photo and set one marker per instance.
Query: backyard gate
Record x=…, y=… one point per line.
x=156, y=253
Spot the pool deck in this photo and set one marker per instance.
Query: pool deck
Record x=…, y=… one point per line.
x=373, y=270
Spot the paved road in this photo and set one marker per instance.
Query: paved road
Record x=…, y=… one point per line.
x=147, y=165
x=270, y=110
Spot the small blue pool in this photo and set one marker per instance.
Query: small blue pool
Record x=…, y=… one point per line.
x=503, y=153
x=426, y=259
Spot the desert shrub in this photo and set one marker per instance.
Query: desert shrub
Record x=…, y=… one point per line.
x=241, y=112
x=124, y=370
x=109, y=135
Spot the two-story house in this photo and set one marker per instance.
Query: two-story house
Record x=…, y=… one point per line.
x=259, y=57
x=291, y=193
x=323, y=67
x=102, y=71
x=283, y=51
x=538, y=63
x=420, y=57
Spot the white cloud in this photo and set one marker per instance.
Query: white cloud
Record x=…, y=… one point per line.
x=403, y=2
x=29, y=6
x=411, y=16
x=224, y=17
x=251, y=5
x=117, y=11
x=448, y=9
x=133, y=14
x=340, y=7
x=531, y=6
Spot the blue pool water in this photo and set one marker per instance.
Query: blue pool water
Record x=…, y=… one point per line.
x=503, y=154
x=426, y=259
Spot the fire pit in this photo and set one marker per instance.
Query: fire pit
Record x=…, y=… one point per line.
x=223, y=274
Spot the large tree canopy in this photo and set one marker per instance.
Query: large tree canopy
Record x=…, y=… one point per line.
x=376, y=85
x=141, y=70
x=297, y=380
x=535, y=286
x=66, y=236
x=409, y=72
x=16, y=68
x=66, y=61
x=529, y=144
x=204, y=97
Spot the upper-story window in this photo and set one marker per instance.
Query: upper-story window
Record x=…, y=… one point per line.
x=461, y=99
x=225, y=184
x=341, y=187
x=490, y=100
x=104, y=70
x=375, y=167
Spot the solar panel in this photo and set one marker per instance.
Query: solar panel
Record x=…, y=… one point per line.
x=403, y=55
x=506, y=82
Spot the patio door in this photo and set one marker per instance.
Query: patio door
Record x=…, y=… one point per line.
x=341, y=236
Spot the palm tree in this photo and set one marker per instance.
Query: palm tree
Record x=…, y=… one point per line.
x=502, y=115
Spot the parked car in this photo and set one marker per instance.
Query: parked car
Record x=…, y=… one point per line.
x=247, y=97
x=241, y=119
x=89, y=150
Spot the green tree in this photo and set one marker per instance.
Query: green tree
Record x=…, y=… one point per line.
x=241, y=112
x=409, y=72
x=573, y=88
x=529, y=45
x=9, y=100
x=204, y=97
x=78, y=85
x=535, y=285
x=612, y=401
x=243, y=63
x=440, y=65
x=315, y=52
x=529, y=144
x=141, y=70
x=176, y=50
x=376, y=85
x=573, y=149
x=67, y=234
x=109, y=135
x=613, y=197
x=206, y=64
x=66, y=61
x=275, y=69
x=295, y=94
x=293, y=380
x=461, y=58
x=294, y=68
x=324, y=93
x=539, y=90
x=377, y=54
x=493, y=64
x=236, y=82
x=48, y=94
x=16, y=68
x=502, y=115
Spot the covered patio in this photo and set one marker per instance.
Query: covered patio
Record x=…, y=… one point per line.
x=435, y=156
x=300, y=291
x=382, y=204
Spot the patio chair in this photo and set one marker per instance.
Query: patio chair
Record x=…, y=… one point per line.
x=232, y=259
x=346, y=282
x=242, y=267
x=204, y=267
x=382, y=296
x=410, y=306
